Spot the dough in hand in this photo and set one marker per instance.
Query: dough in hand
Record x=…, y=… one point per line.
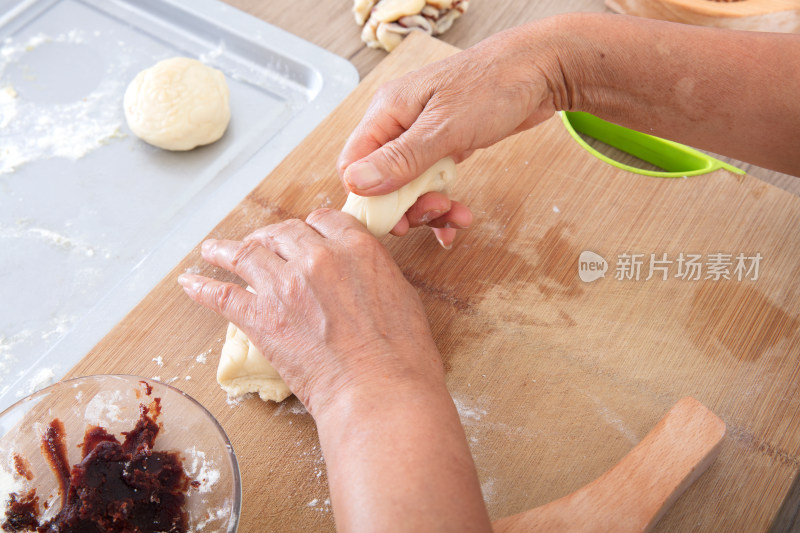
x=243, y=368
x=381, y=213
x=178, y=104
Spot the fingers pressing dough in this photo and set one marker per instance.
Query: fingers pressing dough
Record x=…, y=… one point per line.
x=381, y=213
x=242, y=367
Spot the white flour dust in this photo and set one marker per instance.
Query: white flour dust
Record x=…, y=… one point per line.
x=104, y=408
x=8, y=359
x=322, y=506
x=31, y=130
x=202, y=358
x=43, y=378
x=10, y=481
x=12, y=348
x=468, y=414
x=202, y=470
x=23, y=230
x=290, y=406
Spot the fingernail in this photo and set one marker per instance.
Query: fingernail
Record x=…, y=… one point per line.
x=207, y=245
x=445, y=246
x=445, y=236
x=454, y=225
x=189, y=282
x=430, y=215
x=363, y=175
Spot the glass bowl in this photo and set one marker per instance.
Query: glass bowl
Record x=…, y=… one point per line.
x=213, y=501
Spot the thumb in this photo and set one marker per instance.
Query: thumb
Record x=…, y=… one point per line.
x=394, y=164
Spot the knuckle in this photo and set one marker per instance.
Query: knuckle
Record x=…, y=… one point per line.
x=342, y=162
x=362, y=240
x=320, y=214
x=321, y=255
x=223, y=297
x=400, y=160
x=247, y=249
x=257, y=233
x=387, y=93
x=290, y=225
x=319, y=259
x=273, y=231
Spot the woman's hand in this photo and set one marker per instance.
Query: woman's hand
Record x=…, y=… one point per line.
x=349, y=336
x=471, y=100
x=332, y=311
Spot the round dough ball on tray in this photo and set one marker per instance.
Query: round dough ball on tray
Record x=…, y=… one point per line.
x=178, y=104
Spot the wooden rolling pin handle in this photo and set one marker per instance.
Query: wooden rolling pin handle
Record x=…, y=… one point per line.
x=635, y=493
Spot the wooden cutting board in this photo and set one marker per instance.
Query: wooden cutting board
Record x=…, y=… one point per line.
x=555, y=379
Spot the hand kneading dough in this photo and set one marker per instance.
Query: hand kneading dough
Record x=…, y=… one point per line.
x=381, y=213
x=243, y=368
x=178, y=104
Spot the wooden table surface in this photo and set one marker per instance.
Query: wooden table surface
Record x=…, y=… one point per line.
x=330, y=24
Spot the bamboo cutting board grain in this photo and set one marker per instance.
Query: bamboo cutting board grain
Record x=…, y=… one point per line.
x=555, y=379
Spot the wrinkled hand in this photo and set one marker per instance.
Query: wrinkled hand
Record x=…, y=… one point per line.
x=452, y=107
x=332, y=313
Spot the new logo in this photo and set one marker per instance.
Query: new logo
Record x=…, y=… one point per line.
x=591, y=266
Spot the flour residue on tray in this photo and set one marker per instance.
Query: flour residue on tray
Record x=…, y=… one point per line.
x=14, y=348
x=23, y=229
x=8, y=357
x=31, y=130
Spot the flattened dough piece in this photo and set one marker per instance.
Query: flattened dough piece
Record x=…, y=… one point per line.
x=243, y=368
x=380, y=213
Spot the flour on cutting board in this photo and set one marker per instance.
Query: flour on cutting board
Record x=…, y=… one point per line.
x=291, y=406
x=33, y=130
x=320, y=505
x=613, y=419
x=478, y=425
x=468, y=414
x=202, y=358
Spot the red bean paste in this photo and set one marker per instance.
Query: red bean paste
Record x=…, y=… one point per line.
x=121, y=487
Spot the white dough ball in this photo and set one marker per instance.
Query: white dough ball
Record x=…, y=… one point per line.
x=178, y=104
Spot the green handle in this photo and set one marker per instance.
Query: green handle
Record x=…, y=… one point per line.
x=677, y=160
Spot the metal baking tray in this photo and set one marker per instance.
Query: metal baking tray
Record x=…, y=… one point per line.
x=91, y=218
